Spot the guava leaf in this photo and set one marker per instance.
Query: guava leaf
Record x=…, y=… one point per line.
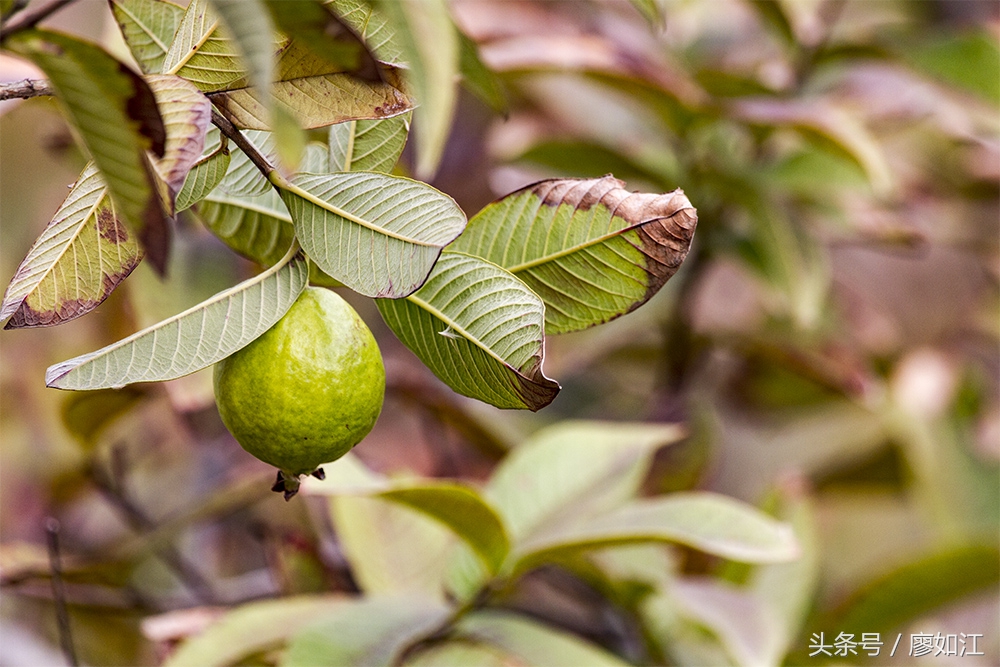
x=391, y=549
x=368, y=145
x=203, y=178
x=80, y=257
x=250, y=629
x=709, y=522
x=259, y=228
x=379, y=235
x=478, y=78
x=203, y=54
x=187, y=115
x=461, y=653
x=573, y=470
x=249, y=24
x=327, y=35
x=459, y=507
x=314, y=93
x=148, y=27
x=531, y=642
x=429, y=44
x=370, y=632
x=479, y=329
x=590, y=249
x=116, y=114
x=373, y=28
x=192, y=340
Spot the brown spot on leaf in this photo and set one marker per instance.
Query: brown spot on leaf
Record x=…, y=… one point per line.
x=110, y=227
x=665, y=240
x=141, y=106
x=27, y=317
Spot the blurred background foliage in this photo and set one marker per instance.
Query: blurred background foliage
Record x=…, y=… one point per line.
x=831, y=342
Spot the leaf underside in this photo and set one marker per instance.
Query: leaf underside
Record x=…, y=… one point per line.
x=592, y=250
x=368, y=145
x=192, y=340
x=148, y=27
x=479, y=329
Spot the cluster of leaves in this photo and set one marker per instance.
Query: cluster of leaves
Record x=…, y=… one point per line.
x=559, y=256
x=438, y=559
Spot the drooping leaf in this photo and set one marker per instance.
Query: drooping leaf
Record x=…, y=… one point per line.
x=116, y=114
x=250, y=629
x=478, y=78
x=83, y=254
x=148, y=27
x=318, y=27
x=368, y=145
x=314, y=92
x=370, y=632
x=373, y=28
x=392, y=550
x=249, y=24
x=461, y=653
x=479, y=329
x=572, y=470
x=712, y=523
x=192, y=340
x=592, y=250
x=187, y=115
x=455, y=505
x=203, y=178
x=919, y=587
x=259, y=228
x=531, y=642
x=202, y=53
x=429, y=44
x=379, y=235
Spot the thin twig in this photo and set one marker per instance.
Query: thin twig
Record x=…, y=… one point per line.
x=14, y=8
x=59, y=593
x=230, y=130
x=31, y=20
x=24, y=89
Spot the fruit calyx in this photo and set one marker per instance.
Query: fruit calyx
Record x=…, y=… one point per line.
x=288, y=483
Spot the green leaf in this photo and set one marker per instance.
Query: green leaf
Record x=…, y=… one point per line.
x=148, y=27
x=592, y=250
x=370, y=632
x=917, y=588
x=79, y=259
x=203, y=178
x=429, y=44
x=368, y=145
x=479, y=329
x=391, y=548
x=572, y=470
x=532, y=642
x=250, y=629
x=314, y=93
x=773, y=15
x=316, y=158
x=379, y=235
x=192, y=340
x=373, y=28
x=969, y=61
x=461, y=653
x=116, y=114
x=458, y=507
x=480, y=79
x=318, y=27
x=651, y=10
x=249, y=24
x=86, y=414
x=259, y=228
x=187, y=115
x=202, y=53
x=243, y=177
x=711, y=523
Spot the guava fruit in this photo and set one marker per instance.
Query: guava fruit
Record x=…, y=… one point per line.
x=306, y=391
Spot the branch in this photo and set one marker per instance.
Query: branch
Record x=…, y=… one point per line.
x=31, y=20
x=25, y=89
x=59, y=593
x=237, y=138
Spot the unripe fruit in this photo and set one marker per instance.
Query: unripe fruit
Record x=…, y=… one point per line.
x=306, y=391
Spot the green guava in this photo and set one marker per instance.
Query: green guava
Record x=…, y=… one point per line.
x=306, y=391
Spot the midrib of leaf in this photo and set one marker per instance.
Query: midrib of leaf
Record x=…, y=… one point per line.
x=458, y=328
x=221, y=296
x=572, y=249
x=145, y=29
x=284, y=184
x=194, y=49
